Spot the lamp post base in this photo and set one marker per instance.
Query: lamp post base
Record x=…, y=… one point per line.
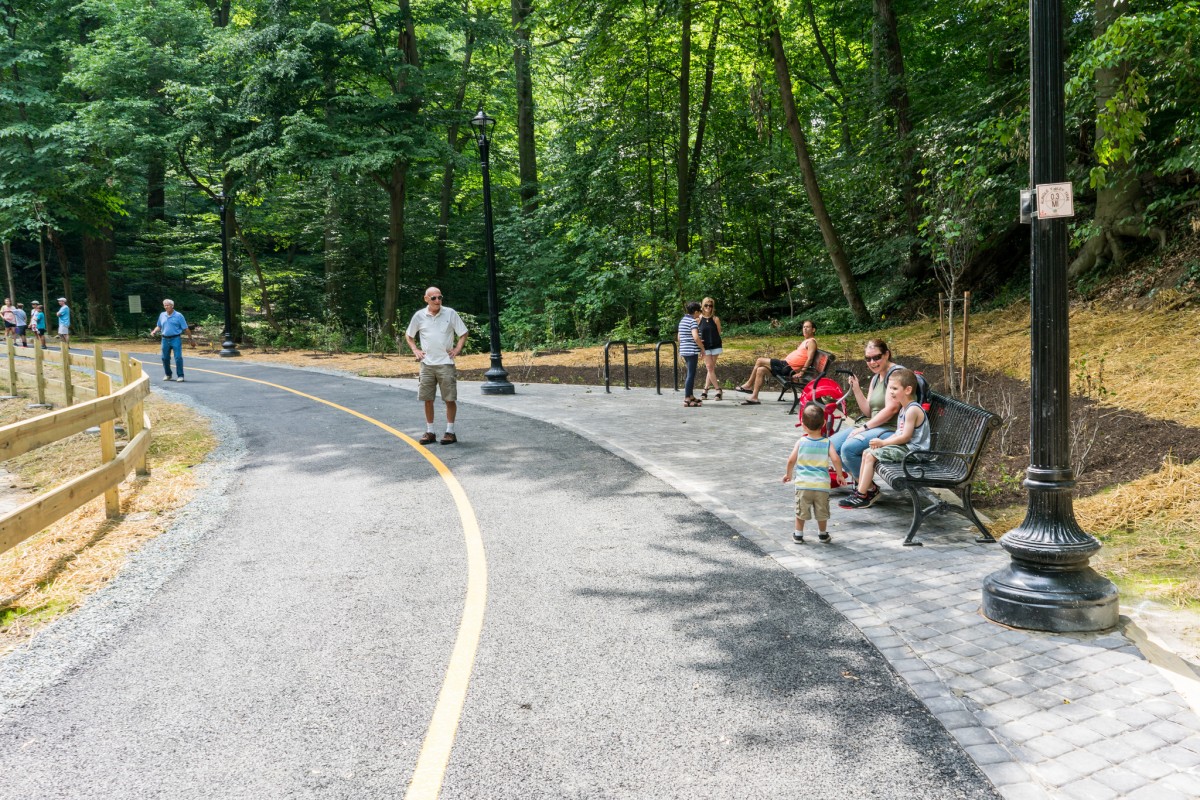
x=1025, y=596
x=497, y=381
x=228, y=348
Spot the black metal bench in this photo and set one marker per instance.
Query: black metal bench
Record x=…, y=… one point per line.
x=819, y=365
x=959, y=433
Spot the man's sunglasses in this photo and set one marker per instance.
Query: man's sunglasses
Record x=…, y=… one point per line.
x=435, y=297
x=873, y=359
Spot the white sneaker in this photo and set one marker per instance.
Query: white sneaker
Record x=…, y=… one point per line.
x=167, y=378
x=179, y=379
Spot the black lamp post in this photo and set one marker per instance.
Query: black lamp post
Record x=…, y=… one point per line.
x=1048, y=585
x=497, y=377
x=228, y=348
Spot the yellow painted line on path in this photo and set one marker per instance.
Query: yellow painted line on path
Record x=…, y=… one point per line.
x=426, y=781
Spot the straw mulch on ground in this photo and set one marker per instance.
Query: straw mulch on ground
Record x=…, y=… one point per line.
x=54, y=571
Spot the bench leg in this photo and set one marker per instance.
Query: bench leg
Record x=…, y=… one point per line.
x=968, y=511
x=795, y=401
x=918, y=516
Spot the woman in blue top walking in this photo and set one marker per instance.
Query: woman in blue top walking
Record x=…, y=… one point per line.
x=691, y=348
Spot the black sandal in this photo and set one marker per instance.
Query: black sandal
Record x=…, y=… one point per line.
x=718, y=394
x=704, y=394
x=691, y=402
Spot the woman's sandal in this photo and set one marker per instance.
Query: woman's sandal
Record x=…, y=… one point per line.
x=691, y=402
x=718, y=394
x=743, y=390
x=704, y=394
x=751, y=403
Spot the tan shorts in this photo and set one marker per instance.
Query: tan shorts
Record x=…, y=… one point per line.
x=812, y=504
x=438, y=376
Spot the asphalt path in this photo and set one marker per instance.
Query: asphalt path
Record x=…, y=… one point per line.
x=633, y=645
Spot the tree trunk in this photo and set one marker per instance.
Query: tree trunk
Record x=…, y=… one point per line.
x=833, y=244
x=649, y=128
x=685, y=126
x=887, y=39
x=97, y=255
x=156, y=179
x=268, y=311
x=526, y=151
x=447, y=195
x=12, y=292
x=397, y=190
x=1118, y=201
x=331, y=248
x=64, y=265
x=710, y=58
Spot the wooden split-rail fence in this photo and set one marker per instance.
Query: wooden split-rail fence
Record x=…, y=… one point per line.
x=96, y=392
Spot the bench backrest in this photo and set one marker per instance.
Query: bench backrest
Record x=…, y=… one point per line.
x=819, y=365
x=959, y=427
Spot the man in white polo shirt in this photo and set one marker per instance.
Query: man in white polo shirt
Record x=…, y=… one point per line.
x=437, y=327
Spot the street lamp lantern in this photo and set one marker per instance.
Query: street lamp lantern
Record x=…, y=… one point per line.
x=1048, y=584
x=228, y=348
x=497, y=377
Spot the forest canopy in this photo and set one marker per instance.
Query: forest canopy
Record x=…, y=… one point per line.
x=804, y=157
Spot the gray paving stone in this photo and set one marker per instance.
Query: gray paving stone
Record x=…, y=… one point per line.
x=1120, y=780
x=1085, y=762
x=1169, y=732
x=1049, y=746
x=1005, y=773
x=1088, y=789
x=1056, y=773
x=1180, y=757
x=983, y=754
x=972, y=735
x=1024, y=791
x=1149, y=766
x=1158, y=792
x=1189, y=785
x=1140, y=741
x=1080, y=735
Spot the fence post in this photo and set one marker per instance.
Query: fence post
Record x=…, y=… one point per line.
x=108, y=447
x=68, y=389
x=131, y=371
x=12, y=367
x=98, y=357
x=39, y=370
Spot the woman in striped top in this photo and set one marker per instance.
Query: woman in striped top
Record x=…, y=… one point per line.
x=691, y=348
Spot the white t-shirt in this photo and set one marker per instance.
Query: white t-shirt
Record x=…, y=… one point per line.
x=437, y=333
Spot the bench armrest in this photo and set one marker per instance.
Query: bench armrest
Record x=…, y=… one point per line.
x=913, y=463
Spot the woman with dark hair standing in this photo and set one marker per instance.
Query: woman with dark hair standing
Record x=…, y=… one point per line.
x=710, y=334
x=691, y=347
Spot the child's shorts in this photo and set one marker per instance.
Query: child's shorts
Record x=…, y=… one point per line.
x=812, y=504
x=891, y=452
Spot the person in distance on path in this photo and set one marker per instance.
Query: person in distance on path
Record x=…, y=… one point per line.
x=172, y=325
x=8, y=312
x=37, y=321
x=22, y=320
x=64, y=321
x=812, y=456
x=438, y=327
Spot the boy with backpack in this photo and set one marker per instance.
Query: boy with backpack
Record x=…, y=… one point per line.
x=812, y=456
x=912, y=435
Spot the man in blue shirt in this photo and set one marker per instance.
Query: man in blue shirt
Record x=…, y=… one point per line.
x=172, y=325
x=64, y=320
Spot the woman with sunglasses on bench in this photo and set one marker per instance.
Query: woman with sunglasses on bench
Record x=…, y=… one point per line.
x=880, y=413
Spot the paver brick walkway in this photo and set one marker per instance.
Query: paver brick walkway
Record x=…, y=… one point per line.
x=1044, y=715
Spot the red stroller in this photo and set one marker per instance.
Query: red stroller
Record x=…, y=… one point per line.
x=827, y=393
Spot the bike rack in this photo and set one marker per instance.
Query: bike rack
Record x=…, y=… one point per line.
x=625, y=347
x=674, y=364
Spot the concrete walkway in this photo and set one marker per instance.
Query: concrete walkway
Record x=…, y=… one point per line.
x=1045, y=716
